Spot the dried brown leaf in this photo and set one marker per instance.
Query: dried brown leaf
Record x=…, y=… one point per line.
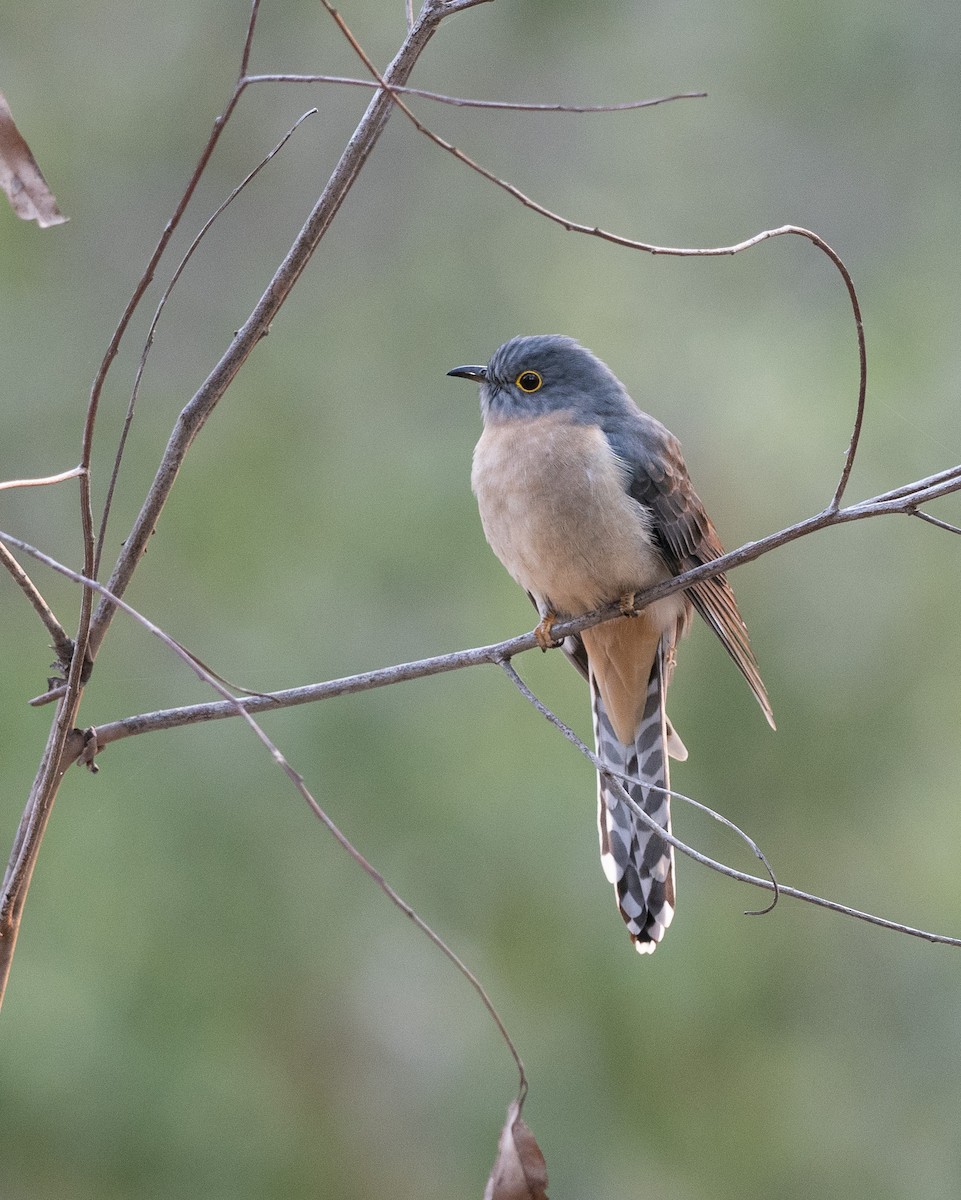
x=21, y=178
x=519, y=1172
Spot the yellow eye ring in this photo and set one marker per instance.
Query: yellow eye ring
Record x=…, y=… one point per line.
x=528, y=381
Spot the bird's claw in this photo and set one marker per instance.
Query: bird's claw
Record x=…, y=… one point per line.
x=543, y=633
x=628, y=606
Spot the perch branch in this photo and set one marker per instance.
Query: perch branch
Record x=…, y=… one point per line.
x=901, y=501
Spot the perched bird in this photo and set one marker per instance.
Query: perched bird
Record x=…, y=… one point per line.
x=586, y=500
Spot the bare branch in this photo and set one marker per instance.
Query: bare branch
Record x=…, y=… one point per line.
x=91, y=628
x=249, y=38
x=936, y=521
x=44, y=481
x=904, y=501
x=62, y=643
x=899, y=501
x=464, y=102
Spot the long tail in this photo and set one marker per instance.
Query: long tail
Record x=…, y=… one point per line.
x=638, y=862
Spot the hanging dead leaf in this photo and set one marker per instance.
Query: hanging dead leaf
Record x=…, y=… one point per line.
x=20, y=177
x=519, y=1172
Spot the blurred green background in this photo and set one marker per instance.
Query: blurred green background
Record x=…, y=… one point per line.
x=209, y=999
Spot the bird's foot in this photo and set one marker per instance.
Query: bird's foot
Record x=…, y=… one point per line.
x=543, y=633
x=628, y=606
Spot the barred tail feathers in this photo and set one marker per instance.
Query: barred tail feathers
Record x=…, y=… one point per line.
x=637, y=862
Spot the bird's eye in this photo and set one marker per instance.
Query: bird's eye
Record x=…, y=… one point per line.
x=528, y=381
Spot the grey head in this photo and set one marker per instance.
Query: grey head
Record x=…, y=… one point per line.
x=529, y=376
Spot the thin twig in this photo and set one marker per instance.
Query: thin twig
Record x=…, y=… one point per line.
x=147, y=276
x=467, y=102
x=922, y=485
x=620, y=780
x=936, y=521
x=39, y=805
x=92, y=627
x=61, y=642
x=44, y=481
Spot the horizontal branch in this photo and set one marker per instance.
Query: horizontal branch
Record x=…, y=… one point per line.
x=467, y=102
x=45, y=481
x=217, y=710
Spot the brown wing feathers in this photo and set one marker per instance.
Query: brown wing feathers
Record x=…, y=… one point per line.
x=688, y=539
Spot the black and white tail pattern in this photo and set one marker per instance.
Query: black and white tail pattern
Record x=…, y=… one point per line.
x=638, y=863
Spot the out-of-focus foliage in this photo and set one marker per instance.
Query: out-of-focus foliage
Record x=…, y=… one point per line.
x=209, y=1000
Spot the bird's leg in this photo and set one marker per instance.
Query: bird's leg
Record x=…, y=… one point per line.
x=545, y=638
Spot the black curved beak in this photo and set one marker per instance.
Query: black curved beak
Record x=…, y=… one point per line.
x=478, y=374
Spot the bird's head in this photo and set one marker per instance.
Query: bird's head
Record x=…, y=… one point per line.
x=530, y=376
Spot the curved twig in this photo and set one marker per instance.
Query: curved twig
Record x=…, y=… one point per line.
x=771, y=884
x=648, y=247
x=146, y=279
x=198, y=409
x=620, y=780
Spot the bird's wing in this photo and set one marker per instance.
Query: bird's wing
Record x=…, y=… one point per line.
x=658, y=479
